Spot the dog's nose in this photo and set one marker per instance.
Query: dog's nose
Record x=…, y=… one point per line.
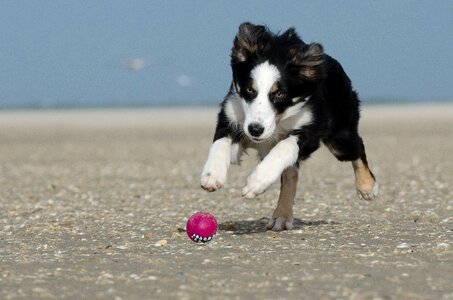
x=256, y=129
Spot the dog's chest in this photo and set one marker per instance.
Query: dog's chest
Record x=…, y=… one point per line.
x=264, y=148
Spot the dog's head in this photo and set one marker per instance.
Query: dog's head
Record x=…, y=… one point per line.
x=273, y=74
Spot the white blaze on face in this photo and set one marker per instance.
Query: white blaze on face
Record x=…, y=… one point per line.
x=260, y=109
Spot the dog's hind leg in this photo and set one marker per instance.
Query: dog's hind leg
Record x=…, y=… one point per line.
x=365, y=181
x=283, y=215
x=347, y=146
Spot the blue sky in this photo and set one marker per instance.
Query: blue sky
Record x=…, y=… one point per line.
x=60, y=53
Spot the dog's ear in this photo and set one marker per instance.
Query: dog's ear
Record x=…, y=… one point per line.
x=308, y=59
x=290, y=34
x=249, y=40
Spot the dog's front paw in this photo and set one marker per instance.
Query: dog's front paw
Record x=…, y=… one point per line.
x=213, y=177
x=256, y=185
x=279, y=223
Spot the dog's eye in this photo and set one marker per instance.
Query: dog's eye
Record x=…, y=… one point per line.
x=279, y=95
x=250, y=91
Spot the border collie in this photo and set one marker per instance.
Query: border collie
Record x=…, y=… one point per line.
x=286, y=97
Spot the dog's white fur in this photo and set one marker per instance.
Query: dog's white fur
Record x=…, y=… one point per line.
x=260, y=109
x=281, y=156
x=234, y=110
x=215, y=170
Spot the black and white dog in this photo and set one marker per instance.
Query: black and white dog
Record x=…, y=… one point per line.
x=286, y=98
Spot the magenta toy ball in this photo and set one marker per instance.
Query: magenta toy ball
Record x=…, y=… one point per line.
x=201, y=227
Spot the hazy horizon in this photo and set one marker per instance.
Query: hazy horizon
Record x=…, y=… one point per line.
x=149, y=53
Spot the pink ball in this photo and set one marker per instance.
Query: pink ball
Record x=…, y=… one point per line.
x=201, y=227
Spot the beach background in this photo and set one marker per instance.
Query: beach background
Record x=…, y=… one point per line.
x=107, y=112
x=94, y=204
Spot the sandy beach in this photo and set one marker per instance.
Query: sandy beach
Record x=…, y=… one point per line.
x=93, y=205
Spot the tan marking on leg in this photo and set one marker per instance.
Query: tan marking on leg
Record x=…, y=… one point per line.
x=364, y=180
x=283, y=214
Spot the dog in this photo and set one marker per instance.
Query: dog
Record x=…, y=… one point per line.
x=286, y=98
